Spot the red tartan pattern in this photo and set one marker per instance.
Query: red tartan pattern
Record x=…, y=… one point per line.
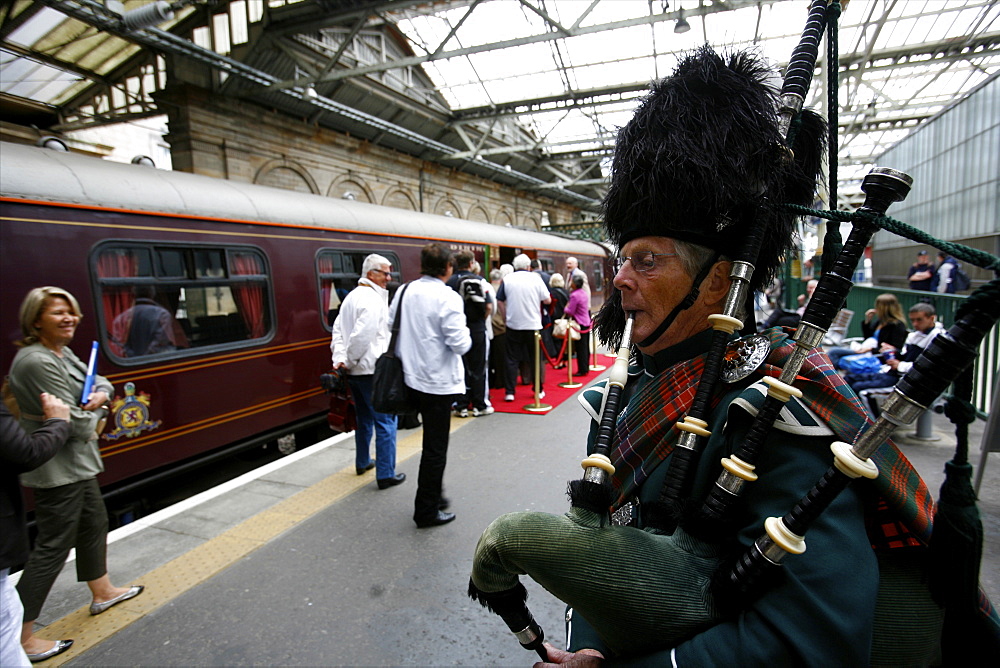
x=645, y=436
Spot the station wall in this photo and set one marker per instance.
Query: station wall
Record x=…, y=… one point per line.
x=227, y=138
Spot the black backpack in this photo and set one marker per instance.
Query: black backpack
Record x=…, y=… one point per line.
x=960, y=279
x=470, y=287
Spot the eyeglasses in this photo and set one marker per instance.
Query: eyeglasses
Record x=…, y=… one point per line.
x=383, y=271
x=643, y=262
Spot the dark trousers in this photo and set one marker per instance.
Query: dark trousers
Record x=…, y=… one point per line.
x=581, y=349
x=435, y=410
x=498, y=361
x=67, y=516
x=475, y=373
x=521, y=350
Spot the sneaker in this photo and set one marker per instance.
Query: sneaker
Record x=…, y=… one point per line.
x=509, y=397
x=480, y=413
x=461, y=412
x=541, y=395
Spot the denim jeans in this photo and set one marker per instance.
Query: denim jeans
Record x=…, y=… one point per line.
x=369, y=420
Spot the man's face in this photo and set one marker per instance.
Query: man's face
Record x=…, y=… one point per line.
x=380, y=275
x=921, y=321
x=570, y=264
x=652, y=295
x=923, y=259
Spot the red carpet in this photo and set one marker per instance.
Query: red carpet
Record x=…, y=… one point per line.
x=554, y=395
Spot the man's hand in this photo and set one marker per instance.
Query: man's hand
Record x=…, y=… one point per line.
x=893, y=363
x=96, y=400
x=585, y=658
x=887, y=348
x=54, y=407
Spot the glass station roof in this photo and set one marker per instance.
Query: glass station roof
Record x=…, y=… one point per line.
x=570, y=71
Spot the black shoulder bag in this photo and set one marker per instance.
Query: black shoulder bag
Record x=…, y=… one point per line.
x=389, y=391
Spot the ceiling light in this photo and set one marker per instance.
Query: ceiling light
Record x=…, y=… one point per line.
x=682, y=25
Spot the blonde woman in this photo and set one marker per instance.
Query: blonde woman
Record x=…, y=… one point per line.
x=885, y=324
x=69, y=511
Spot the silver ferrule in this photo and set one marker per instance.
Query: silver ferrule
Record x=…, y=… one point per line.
x=736, y=296
x=741, y=271
x=794, y=364
x=871, y=440
x=526, y=636
x=688, y=441
x=809, y=335
x=729, y=483
x=595, y=475
x=770, y=550
x=791, y=103
x=900, y=409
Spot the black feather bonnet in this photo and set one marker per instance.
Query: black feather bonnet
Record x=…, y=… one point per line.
x=702, y=160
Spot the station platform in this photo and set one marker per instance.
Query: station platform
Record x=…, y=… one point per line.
x=306, y=563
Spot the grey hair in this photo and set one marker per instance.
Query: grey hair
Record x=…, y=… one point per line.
x=923, y=307
x=557, y=281
x=373, y=261
x=506, y=269
x=692, y=256
x=496, y=275
x=522, y=261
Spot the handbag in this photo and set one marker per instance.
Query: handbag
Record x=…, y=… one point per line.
x=389, y=391
x=860, y=363
x=561, y=325
x=342, y=416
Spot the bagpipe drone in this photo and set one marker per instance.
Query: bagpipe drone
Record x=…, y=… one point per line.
x=681, y=574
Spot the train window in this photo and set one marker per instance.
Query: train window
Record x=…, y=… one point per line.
x=338, y=273
x=190, y=298
x=598, y=275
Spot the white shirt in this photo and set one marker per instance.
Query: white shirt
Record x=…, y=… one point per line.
x=361, y=330
x=920, y=340
x=432, y=336
x=524, y=292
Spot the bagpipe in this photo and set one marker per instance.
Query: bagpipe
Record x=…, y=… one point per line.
x=683, y=572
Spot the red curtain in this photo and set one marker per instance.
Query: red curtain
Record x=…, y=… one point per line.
x=119, y=263
x=325, y=265
x=249, y=296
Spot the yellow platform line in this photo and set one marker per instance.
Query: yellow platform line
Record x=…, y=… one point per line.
x=187, y=571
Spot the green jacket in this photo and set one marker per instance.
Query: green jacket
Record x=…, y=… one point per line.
x=37, y=369
x=823, y=612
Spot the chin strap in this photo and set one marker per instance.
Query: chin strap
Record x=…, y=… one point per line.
x=685, y=303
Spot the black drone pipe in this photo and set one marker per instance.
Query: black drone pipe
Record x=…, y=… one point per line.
x=882, y=187
x=945, y=358
x=799, y=74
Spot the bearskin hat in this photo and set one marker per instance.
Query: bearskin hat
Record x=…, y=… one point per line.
x=702, y=160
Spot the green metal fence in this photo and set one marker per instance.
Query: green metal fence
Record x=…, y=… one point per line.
x=986, y=365
x=863, y=298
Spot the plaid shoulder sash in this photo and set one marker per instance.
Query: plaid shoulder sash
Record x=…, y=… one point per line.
x=645, y=435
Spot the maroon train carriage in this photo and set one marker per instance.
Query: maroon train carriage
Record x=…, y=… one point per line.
x=211, y=299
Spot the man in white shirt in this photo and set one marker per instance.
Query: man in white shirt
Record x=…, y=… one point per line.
x=523, y=292
x=573, y=269
x=360, y=335
x=432, y=339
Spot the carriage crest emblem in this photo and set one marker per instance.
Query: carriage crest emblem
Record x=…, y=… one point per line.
x=131, y=415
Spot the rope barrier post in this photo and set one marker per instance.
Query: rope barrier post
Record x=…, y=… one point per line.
x=538, y=406
x=570, y=383
x=594, y=366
